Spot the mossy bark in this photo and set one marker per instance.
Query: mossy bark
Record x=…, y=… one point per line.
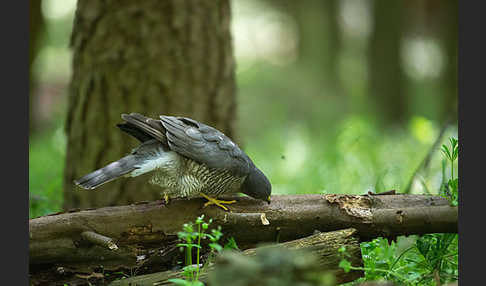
x=36, y=31
x=152, y=57
x=448, y=31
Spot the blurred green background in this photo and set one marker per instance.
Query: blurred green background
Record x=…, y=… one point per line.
x=309, y=113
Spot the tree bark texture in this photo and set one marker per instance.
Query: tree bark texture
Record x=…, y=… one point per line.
x=447, y=26
x=36, y=31
x=324, y=245
x=386, y=75
x=438, y=20
x=153, y=57
x=146, y=233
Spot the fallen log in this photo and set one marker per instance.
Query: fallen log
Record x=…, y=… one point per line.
x=323, y=246
x=146, y=233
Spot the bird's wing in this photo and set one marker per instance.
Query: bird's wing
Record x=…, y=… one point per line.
x=143, y=128
x=205, y=144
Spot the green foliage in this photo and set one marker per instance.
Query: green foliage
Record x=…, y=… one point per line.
x=431, y=259
x=193, y=234
x=182, y=282
x=46, y=165
x=379, y=261
x=440, y=254
x=231, y=244
x=450, y=188
x=351, y=156
x=452, y=153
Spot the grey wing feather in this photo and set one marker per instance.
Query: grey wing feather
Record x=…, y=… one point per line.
x=205, y=144
x=141, y=135
x=149, y=126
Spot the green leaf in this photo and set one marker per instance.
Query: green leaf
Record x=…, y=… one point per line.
x=207, y=235
x=189, y=271
x=451, y=191
x=231, y=244
x=199, y=220
x=453, y=184
x=423, y=246
x=453, y=142
x=346, y=265
x=179, y=281
x=216, y=234
x=446, y=152
x=216, y=246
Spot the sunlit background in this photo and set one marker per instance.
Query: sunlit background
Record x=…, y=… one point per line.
x=305, y=111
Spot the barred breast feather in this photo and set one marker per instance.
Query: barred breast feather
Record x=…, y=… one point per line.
x=190, y=178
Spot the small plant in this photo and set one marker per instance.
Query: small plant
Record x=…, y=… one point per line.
x=438, y=257
x=231, y=244
x=450, y=189
x=431, y=260
x=193, y=234
x=379, y=261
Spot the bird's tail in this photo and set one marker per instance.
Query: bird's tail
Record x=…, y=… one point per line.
x=112, y=171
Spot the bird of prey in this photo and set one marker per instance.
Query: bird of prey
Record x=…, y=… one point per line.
x=187, y=158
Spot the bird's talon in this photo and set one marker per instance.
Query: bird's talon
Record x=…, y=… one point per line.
x=215, y=203
x=219, y=203
x=166, y=198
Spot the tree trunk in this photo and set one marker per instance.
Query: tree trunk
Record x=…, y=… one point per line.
x=447, y=27
x=118, y=236
x=153, y=57
x=438, y=20
x=36, y=30
x=386, y=76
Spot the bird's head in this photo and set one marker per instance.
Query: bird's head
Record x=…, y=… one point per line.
x=257, y=186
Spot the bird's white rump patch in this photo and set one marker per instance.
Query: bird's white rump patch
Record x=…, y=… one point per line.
x=161, y=160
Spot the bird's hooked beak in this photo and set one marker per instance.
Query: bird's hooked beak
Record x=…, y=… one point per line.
x=268, y=200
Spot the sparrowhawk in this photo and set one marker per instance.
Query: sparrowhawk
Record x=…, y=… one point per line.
x=187, y=158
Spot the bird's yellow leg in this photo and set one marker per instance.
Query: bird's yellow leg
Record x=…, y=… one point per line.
x=166, y=198
x=219, y=203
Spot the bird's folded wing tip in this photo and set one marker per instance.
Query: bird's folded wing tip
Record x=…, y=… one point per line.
x=77, y=183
